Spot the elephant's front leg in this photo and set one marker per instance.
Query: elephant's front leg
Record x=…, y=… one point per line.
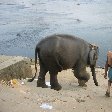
x=81, y=75
x=54, y=82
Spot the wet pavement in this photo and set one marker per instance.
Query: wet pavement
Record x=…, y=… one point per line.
x=25, y=22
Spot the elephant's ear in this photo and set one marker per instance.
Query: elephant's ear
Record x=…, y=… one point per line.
x=90, y=46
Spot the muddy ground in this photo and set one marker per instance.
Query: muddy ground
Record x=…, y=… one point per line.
x=26, y=97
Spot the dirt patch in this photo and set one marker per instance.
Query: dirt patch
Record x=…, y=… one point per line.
x=27, y=97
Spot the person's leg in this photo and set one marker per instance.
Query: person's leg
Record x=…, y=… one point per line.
x=108, y=89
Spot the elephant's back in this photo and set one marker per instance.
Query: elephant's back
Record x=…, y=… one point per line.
x=60, y=39
x=62, y=44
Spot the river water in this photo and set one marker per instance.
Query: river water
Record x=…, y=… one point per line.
x=25, y=22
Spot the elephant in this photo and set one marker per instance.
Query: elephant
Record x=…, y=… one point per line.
x=59, y=52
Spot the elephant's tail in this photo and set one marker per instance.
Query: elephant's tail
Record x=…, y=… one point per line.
x=30, y=80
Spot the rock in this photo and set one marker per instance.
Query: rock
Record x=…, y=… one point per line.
x=14, y=67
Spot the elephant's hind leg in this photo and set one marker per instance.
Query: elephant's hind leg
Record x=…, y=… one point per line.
x=54, y=81
x=41, y=77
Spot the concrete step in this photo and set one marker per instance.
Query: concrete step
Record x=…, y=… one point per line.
x=14, y=67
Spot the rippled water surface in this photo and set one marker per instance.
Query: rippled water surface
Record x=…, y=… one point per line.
x=24, y=22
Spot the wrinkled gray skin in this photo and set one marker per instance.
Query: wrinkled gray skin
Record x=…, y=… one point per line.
x=61, y=52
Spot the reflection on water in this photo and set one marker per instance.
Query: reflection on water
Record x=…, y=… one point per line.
x=23, y=23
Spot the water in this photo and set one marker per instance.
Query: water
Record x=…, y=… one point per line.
x=25, y=22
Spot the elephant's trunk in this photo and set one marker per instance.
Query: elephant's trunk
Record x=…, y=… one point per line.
x=94, y=75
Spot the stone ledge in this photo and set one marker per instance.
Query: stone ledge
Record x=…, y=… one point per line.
x=14, y=67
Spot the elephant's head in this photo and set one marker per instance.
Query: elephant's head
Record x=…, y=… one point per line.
x=93, y=56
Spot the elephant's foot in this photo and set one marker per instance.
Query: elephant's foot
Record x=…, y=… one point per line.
x=107, y=94
x=56, y=86
x=41, y=83
x=96, y=83
x=82, y=83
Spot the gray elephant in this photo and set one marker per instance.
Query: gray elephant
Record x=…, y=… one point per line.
x=60, y=52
